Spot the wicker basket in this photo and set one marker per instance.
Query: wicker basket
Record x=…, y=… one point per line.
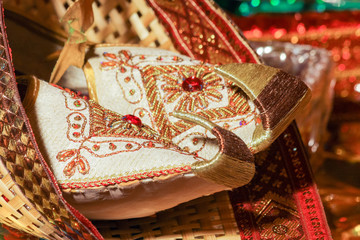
x=26, y=194
x=116, y=21
x=208, y=217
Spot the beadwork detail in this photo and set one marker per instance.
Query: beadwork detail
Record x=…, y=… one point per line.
x=112, y=146
x=76, y=134
x=77, y=103
x=96, y=147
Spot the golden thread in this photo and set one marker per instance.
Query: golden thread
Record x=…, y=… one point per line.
x=32, y=91
x=222, y=169
x=90, y=80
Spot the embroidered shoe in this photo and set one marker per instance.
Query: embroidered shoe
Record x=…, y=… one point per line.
x=103, y=160
x=253, y=101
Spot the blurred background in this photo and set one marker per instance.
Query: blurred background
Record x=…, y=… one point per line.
x=318, y=40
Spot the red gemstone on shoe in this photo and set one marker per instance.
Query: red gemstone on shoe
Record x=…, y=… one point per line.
x=192, y=84
x=132, y=119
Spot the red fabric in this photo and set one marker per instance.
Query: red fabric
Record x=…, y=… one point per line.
x=282, y=200
x=201, y=31
x=338, y=32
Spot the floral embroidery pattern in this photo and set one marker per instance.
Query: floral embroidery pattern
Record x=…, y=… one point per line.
x=104, y=134
x=156, y=79
x=282, y=229
x=126, y=59
x=191, y=101
x=170, y=85
x=127, y=65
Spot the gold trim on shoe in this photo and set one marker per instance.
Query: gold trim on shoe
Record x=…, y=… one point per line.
x=276, y=94
x=90, y=81
x=233, y=166
x=31, y=92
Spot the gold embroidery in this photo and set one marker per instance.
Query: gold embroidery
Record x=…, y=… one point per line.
x=170, y=91
x=126, y=63
x=237, y=105
x=196, y=100
x=109, y=134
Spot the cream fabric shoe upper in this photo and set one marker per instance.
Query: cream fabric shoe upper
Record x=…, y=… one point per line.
x=109, y=166
x=152, y=83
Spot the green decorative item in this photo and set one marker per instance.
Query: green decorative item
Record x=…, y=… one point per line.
x=249, y=7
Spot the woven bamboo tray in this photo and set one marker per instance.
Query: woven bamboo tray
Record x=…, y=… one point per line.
x=132, y=21
x=208, y=217
x=116, y=21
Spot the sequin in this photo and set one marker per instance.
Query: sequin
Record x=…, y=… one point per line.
x=128, y=146
x=112, y=146
x=77, y=118
x=132, y=92
x=195, y=141
x=96, y=147
x=77, y=103
x=75, y=126
x=127, y=79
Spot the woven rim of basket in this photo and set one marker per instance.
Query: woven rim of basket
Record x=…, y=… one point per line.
x=30, y=199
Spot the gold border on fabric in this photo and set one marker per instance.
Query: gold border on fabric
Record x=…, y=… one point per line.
x=90, y=80
x=233, y=166
x=255, y=80
x=251, y=78
x=32, y=91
